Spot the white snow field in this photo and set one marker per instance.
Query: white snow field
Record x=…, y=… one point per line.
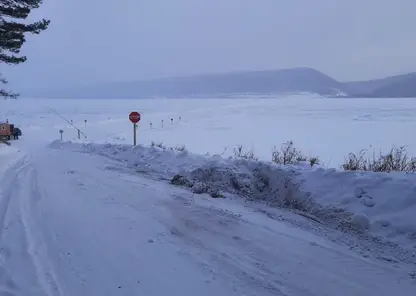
x=97, y=216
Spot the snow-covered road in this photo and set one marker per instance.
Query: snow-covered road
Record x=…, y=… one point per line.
x=79, y=224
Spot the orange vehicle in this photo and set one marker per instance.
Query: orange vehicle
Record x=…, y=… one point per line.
x=6, y=130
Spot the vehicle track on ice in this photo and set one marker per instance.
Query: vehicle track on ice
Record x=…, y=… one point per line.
x=24, y=264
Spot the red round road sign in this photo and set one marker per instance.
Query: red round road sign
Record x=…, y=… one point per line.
x=134, y=117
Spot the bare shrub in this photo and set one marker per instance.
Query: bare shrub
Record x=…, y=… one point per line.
x=287, y=154
x=356, y=162
x=396, y=160
x=239, y=152
x=313, y=161
x=180, y=148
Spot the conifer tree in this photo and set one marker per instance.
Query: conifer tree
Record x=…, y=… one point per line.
x=12, y=33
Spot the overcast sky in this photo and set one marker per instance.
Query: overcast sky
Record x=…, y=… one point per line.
x=94, y=41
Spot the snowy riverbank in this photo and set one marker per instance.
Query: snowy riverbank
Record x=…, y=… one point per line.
x=378, y=204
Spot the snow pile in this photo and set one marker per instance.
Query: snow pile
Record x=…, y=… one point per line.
x=214, y=175
x=383, y=203
x=367, y=203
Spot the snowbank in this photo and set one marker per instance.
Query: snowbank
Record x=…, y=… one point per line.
x=380, y=204
x=383, y=203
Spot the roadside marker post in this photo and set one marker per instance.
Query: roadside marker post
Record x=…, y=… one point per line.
x=134, y=117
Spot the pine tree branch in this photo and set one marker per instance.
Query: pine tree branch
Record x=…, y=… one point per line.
x=19, y=9
x=9, y=95
x=11, y=59
x=12, y=34
x=14, y=12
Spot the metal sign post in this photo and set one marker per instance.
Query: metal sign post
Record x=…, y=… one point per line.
x=134, y=134
x=134, y=117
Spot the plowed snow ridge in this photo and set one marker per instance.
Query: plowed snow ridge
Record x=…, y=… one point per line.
x=379, y=205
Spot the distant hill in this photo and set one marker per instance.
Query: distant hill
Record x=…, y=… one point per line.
x=369, y=86
x=295, y=80
x=392, y=86
x=259, y=82
x=399, y=86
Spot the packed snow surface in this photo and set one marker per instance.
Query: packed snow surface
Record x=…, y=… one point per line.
x=97, y=216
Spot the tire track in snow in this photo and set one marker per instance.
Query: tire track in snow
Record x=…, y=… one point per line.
x=204, y=227
x=27, y=272
x=37, y=246
x=8, y=283
x=271, y=260
x=9, y=183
